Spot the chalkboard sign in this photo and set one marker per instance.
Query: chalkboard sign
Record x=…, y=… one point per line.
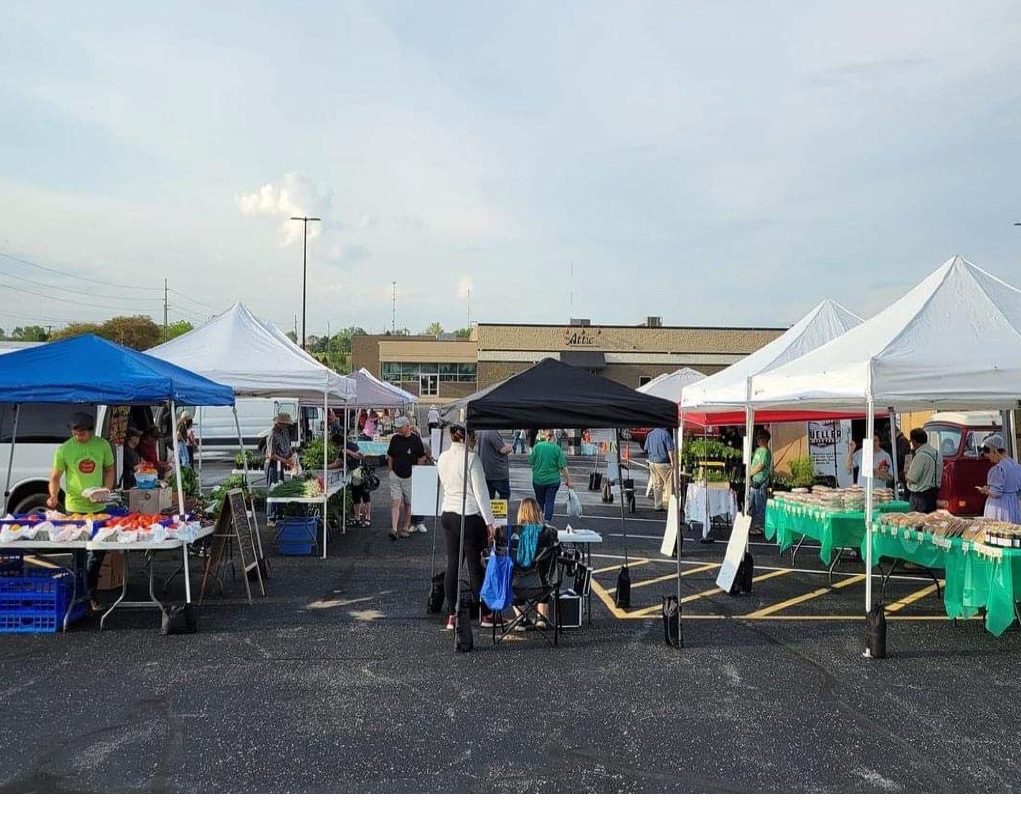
x=234, y=526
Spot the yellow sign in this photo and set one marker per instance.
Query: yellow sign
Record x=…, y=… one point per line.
x=499, y=508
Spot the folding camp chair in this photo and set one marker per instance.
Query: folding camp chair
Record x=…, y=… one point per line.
x=536, y=585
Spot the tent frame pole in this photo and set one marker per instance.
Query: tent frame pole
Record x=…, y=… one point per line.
x=326, y=464
x=893, y=452
x=678, y=534
x=870, y=416
x=460, y=544
x=10, y=456
x=620, y=486
x=180, y=507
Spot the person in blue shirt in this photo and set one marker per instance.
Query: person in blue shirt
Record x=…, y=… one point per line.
x=659, y=446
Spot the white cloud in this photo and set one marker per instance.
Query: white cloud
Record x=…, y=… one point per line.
x=293, y=195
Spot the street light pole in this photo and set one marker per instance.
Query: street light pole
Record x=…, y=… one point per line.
x=304, y=270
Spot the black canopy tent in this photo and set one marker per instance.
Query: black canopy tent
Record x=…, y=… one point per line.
x=555, y=394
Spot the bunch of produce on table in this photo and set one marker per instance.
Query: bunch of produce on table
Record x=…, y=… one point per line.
x=837, y=498
x=54, y=526
x=298, y=488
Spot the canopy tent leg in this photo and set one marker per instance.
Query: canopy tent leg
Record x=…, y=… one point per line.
x=677, y=500
x=198, y=419
x=460, y=545
x=620, y=485
x=870, y=417
x=748, y=448
x=250, y=504
x=893, y=452
x=343, y=445
x=10, y=456
x=180, y=507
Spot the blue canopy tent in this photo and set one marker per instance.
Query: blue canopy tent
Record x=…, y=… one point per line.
x=90, y=370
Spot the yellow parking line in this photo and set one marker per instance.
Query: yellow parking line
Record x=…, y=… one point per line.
x=673, y=576
x=717, y=590
x=794, y=601
x=897, y=605
x=631, y=564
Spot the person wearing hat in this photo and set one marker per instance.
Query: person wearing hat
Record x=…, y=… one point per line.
x=84, y=462
x=1003, y=482
x=405, y=450
x=132, y=457
x=280, y=454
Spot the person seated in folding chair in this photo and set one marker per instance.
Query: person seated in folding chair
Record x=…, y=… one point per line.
x=535, y=552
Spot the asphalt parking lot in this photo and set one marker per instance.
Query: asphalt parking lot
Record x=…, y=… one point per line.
x=338, y=681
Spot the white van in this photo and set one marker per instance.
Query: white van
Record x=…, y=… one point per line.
x=215, y=424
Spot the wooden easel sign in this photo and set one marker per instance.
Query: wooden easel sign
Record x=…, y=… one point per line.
x=735, y=552
x=234, y=527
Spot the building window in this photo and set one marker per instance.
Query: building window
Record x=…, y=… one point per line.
x=643, y=379
x=413, y=372
x=429, y=385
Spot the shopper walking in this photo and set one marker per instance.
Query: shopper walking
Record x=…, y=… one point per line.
x=493, y=450
x=548, y=463
x=404, y=452
x=471, y=498
x=659, y=446
x=924, y=473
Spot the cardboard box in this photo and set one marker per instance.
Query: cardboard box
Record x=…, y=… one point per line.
x=150, y=501
x=111, y=575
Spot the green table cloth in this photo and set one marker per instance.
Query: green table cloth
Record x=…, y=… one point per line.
x=832, y=529
x=977, y=577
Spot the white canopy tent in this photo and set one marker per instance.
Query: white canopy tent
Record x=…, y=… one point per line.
x=236, y=349
x=727, y=390
x=371, y=391
x=668, y=386
x=952, y=342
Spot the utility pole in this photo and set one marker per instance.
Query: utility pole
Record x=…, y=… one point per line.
x=468, y=297
x=166, y=305
x=304, y=270
x=393, y=309
x=295, y=327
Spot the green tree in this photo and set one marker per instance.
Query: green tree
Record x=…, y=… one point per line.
x=76, y=329
x=138, y=332
x=176, y=329
x=463, y=333
x=433, y=329
x=30, y=333
x=292, y=336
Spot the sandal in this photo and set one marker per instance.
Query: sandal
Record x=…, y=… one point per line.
x=392, y=536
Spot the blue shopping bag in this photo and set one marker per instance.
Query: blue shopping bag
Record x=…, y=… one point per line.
x=496, y=587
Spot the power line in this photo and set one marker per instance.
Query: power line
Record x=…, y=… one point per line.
x=90, y=293
x=59, y=299
x=193, y=301
x=67, y=274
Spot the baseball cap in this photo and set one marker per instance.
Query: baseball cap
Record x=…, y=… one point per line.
x=83, y=420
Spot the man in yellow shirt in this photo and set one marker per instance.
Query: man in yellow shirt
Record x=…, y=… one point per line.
x=83, y=461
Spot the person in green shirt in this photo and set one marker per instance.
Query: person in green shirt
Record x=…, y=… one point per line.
x=548, y=463
x=760, y=472
x=83, y=461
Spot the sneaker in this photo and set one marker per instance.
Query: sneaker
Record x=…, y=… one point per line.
x=451, y=623
x=421, y=528
x=392, y=535
x=96, y=606
x=523, y=626
x=539, y=624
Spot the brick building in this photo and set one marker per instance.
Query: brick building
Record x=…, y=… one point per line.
x=445, y=368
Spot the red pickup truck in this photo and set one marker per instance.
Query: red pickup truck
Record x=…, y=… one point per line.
x=957, y=437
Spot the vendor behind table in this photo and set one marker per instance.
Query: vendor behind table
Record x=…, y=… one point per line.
x=1003, y=482
x=85, y=462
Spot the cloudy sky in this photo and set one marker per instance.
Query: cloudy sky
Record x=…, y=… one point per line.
x=711, y=163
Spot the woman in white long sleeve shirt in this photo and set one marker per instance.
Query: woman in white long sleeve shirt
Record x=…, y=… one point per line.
x=478, y=517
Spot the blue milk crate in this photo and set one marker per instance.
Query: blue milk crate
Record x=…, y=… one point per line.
x=297, y=536
x=37, y=600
